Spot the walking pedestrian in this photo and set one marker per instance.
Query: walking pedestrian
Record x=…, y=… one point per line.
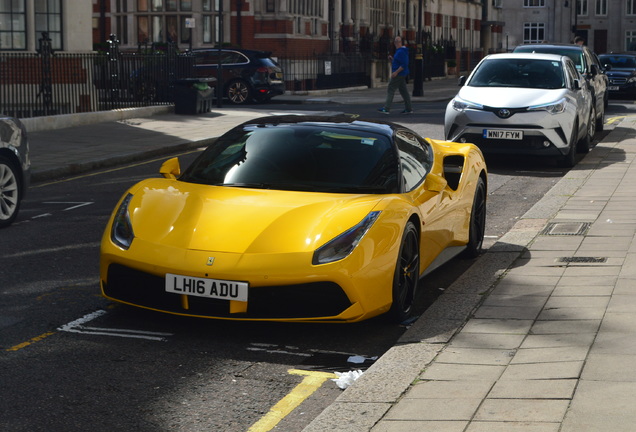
x=399, y=72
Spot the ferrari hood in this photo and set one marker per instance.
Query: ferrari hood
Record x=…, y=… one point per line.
x=240, y=220
x=506, y=97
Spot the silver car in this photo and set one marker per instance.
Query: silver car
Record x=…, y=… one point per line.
x=15, y=168
x=537, y=104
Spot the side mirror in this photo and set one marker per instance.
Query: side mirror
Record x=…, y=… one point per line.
x=594, y=70
x=170, y=169
x=461, y=81
x=435, y=183
x=576, y=84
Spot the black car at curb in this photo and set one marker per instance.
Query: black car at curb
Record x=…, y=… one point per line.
x=248, y=75
x=621, y=71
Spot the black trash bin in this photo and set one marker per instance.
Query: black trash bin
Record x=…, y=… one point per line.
x=193, y=95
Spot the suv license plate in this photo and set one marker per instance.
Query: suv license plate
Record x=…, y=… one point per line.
x=503, y=134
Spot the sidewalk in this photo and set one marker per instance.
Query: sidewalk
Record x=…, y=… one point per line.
x=539, y=335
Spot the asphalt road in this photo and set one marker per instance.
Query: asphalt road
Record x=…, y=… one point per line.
x=72, y=361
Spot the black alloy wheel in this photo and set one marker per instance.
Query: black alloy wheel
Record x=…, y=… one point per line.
x=407, y=275
x=477, y=222
x=238, y=92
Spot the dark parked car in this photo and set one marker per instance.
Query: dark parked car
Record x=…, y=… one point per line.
x=587, y=63
x=15, y=168
x=248, y=75
x=621, y=71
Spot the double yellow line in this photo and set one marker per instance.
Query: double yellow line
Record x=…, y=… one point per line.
x=309, y=384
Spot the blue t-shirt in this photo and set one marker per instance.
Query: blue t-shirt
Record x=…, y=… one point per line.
x=401, y=58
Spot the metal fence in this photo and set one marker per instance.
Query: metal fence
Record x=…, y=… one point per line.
x=49, y=83
x=326, y=71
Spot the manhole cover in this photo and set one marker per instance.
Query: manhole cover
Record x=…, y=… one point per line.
x=566, y=228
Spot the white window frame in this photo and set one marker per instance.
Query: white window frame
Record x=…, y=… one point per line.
x=581, y=7
x=533, y=3
x=630, y=7
x=601, y=8
x=534, y=27
x=630, y=40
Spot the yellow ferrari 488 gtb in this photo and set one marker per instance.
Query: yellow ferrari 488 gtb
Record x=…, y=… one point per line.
x=296, y=218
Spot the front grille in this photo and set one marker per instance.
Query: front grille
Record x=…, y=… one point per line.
x=310, y=300
x=618, y=81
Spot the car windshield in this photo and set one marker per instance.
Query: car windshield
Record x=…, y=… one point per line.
x=575, y=54
x=619, y=62
x=303, y=157
x=513, y=72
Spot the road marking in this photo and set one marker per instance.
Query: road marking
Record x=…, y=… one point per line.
x=78, y=204
x=30, y=342
x=309, y=384
x=78, y=327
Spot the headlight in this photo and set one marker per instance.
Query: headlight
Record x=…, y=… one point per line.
x=552, y=108
x=460, y=104
x=121, y=232
x=341, y=246
x=631, y=80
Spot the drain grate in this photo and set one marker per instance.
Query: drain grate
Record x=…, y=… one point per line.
x=585, y=260
x=566, y=228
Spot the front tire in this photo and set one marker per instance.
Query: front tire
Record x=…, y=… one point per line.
x=569, y=160
x=10, y=192
x=477, y=222
x=406, y=276
x=585, y=144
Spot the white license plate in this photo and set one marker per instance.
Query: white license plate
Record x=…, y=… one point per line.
x=210, y=288
x=613, y=88
x=503, y=134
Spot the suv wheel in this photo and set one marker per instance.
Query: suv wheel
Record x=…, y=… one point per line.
x=238, y=92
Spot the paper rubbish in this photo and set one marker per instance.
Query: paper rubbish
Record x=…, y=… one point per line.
x=345, y=379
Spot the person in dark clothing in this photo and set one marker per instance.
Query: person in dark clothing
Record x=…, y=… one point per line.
x=399, y=72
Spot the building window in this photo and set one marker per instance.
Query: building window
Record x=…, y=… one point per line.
x=533, y=3
x=270, y=6
x=581, y=7
x=210, y=29
x=303, y=11
x=12, y=25
x=48, y=18
x=533, y=32
x=630, y=40
x=601, y=7
x=631, y=7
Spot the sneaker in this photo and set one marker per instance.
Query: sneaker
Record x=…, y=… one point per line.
x=407, y=112
x=383, y=110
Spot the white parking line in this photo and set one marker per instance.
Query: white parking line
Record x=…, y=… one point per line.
x=77, y=327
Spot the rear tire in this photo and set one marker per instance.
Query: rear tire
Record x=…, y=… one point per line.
x=406, y=276
x=10, y=192
x=238, y=92
x=600, y=120
x=477, y=222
